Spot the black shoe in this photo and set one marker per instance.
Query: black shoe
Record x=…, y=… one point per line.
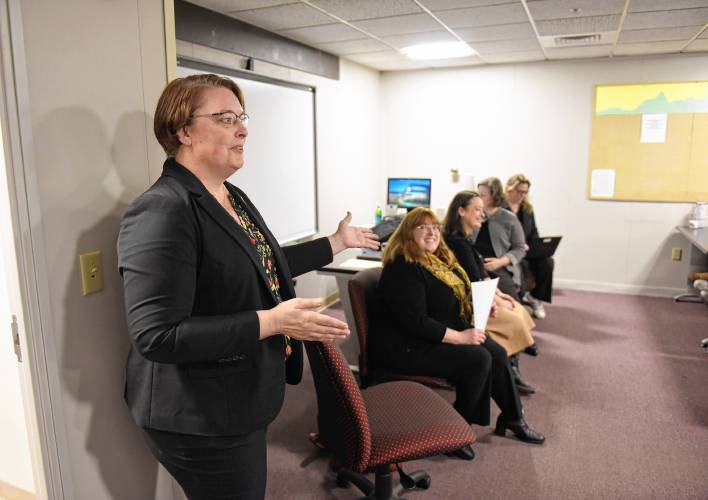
x=465, y=453
x=532, y=350
x=520, y=429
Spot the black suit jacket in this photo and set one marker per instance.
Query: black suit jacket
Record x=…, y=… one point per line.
x=193, y=284
x=412, y=311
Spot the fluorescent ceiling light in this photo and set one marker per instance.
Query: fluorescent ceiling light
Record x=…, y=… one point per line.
x=439, y=50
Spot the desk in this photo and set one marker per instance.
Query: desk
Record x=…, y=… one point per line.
x=343, y=269
x=698, y=259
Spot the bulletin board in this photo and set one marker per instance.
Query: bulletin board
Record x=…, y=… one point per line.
x=649, y=142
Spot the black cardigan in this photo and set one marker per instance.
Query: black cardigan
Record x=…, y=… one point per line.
x=468, y=256
x=414, y=309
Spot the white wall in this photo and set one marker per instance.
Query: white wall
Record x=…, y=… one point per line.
x=94, y=72
x=535, y=118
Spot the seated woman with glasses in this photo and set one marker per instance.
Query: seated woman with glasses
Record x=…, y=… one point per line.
x=500, y=240
x=517, y=201
x=511, y=327
x=424, y=326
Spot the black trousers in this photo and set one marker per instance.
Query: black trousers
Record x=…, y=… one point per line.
x=506, y=282
x=542, y=271
x=213, y=467
x=478, y=372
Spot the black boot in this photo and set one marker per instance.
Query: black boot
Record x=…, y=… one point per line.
x=521, y=386
x=465, y=453
x=520, y=429
x=532, y=350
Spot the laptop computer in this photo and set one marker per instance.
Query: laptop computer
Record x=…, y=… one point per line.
x=540, y=248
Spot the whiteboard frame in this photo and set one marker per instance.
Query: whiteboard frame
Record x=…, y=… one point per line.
x=189, y=63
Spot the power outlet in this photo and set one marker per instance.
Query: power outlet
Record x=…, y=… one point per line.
x=676, y=253
x=91, y=272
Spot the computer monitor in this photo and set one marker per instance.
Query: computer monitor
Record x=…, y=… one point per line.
x=408, y=193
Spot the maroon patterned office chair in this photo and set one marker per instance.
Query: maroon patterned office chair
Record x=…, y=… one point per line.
x=362, y=290
x=376, y=429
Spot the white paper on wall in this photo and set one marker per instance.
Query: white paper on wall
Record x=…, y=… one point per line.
x=654, y=128
x=602, y=183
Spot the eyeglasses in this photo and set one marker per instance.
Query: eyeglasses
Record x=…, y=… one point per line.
x=428, y=228
x=226, y=118
x=522, y=193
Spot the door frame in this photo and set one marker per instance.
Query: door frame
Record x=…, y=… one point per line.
x=39, y=352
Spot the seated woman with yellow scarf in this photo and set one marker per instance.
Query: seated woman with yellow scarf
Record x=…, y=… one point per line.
x=424, y=326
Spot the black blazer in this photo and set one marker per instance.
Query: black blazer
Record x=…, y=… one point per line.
x=413, y=310
x=527, y=221
x=467, y=255
x=193, y=284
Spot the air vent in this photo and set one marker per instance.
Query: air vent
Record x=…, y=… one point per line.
x=579, y=39
x=574, y=40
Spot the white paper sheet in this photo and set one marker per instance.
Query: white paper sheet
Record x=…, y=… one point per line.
x=602, y=184
x=482, y=298
x=654, y=127
x=360, y=264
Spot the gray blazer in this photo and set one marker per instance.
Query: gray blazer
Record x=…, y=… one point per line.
x=507, y=238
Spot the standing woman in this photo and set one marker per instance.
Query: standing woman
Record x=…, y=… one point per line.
x=424, y=327
x=517, y=200
x=500, y=239
x=511, y=327
x=209, y=296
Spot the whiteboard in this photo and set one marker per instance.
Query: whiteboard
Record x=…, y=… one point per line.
x=280, y=170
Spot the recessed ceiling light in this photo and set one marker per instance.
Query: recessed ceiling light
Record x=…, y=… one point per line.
x=438, y=50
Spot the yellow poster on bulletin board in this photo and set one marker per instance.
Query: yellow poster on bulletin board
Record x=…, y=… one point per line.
x=649, y=142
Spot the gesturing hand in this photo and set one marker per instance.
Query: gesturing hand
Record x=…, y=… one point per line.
x=352, y=237
x=293, y=317
x=492, y=264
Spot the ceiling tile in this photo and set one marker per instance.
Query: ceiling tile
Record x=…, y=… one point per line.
x=579, y=52
x=666, y=19
x=353, y=46
x=560, y=9
x=484, y=16
x=337, y=32
x=224, y=6
x=399, y=25
x=368, y=9
x=650, y=5
x=630, y=49
x=456, y=62
x=578, y=25
x=659, y=34
x=401, y=41
x=505, y=46
x=434, y=5
x=386, y=55
x=699, y=45
x=511, y=57
x=283, y=17
x=516, y=31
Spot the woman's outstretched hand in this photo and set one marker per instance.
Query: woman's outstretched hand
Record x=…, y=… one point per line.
x=352, y=237
x=294, y=318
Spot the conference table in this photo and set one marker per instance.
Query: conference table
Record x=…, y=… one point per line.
x=698, y=259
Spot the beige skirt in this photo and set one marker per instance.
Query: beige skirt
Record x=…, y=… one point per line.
x=511, y=328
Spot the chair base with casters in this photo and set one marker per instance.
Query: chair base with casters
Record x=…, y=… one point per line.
x=377, y=429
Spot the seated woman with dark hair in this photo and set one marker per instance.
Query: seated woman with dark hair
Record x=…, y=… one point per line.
x=500, y=239
x=511, y=327
x=517, y=201
x=424, y=326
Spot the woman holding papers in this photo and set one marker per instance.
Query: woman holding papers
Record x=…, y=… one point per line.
x=425, y=327
x=517, y=190
x=511, y=328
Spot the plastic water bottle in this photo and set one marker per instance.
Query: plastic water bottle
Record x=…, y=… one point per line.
x=377, y=215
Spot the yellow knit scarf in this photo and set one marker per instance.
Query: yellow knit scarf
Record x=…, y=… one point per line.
x=458, y=283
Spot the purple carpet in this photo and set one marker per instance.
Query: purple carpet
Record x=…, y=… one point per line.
x=621, y=397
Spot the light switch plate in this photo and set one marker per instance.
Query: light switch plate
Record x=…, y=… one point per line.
x=91, y=272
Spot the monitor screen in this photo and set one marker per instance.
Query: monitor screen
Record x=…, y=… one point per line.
x=409, y=193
